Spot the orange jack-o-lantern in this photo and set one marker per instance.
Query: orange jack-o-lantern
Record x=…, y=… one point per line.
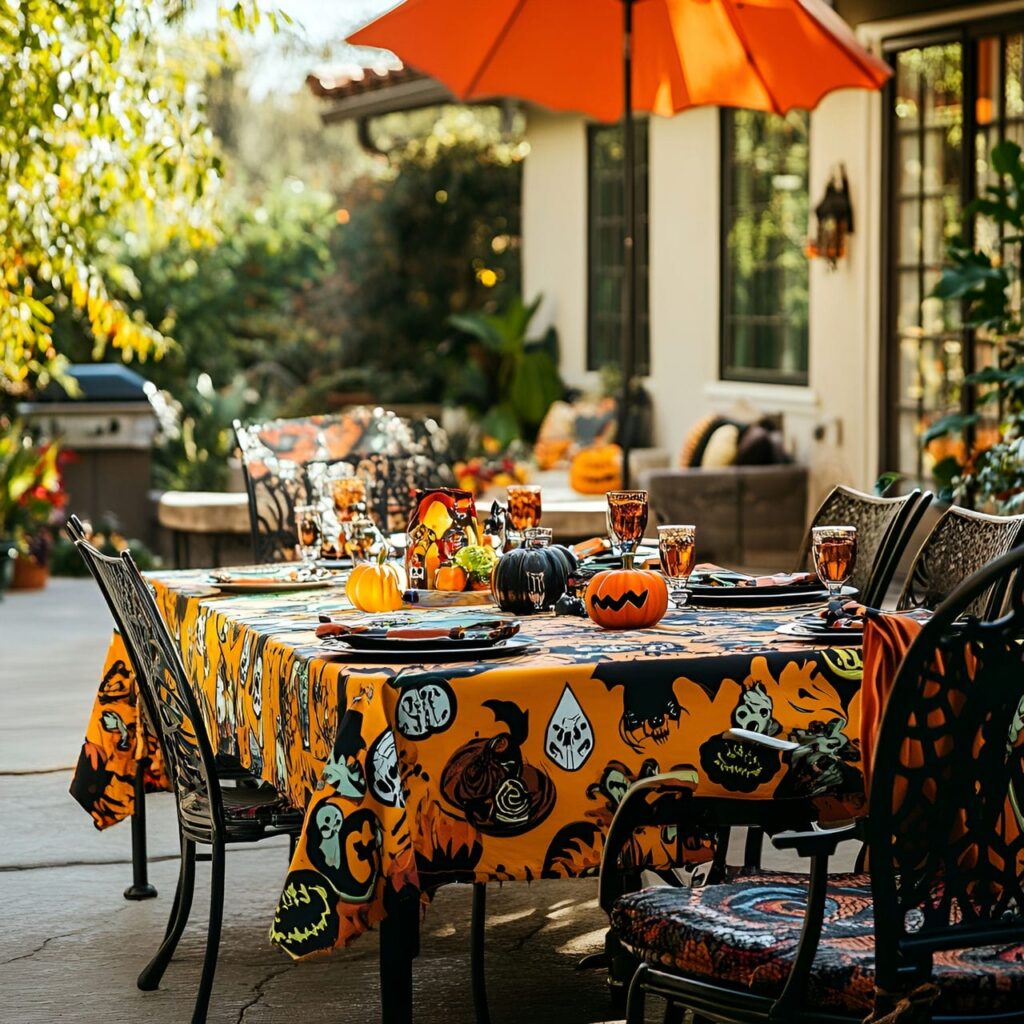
x=626, y=598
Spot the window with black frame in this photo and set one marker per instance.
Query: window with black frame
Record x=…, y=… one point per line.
x=764, y=280
x=606, y=267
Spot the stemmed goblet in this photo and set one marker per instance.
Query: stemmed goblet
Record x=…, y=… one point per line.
x=309, y=528
x=627, y=513
x=834, y=549
x=677, y=547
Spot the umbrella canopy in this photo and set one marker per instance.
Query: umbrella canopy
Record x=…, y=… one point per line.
x=609, y=58
x=768, y=55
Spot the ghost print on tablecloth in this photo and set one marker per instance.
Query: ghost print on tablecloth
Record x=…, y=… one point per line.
x=569, y=740
x=345, y=847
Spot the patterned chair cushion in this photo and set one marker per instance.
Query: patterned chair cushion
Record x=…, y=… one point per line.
x=745, y=934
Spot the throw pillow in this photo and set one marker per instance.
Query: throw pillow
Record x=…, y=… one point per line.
x=696, y=440
x=756, y=447
x=721, y=448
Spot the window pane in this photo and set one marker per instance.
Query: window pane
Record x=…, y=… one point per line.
x=765, y=274
x=606, y=269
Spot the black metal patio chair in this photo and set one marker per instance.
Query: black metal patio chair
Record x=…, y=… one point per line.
x=961, y=543
x=884, y=528
x=394, y=456
x=209, y=813
x=934, y=929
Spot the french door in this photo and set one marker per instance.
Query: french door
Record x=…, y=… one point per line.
x=952, y=98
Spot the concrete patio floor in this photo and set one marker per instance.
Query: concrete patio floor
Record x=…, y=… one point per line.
x=72, y=946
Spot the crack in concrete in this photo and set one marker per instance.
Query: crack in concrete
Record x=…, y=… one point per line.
x=155, y=858
x=259, y=991
x=52, y=938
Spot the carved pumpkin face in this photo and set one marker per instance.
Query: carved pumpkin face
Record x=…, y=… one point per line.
x=626, y=598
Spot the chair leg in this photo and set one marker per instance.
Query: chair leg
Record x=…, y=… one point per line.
x=151, y=974
x=635, y=1000
x=140, y=889
x=212, y=934
x=478, y=978
x=674, y=1013
x=399, y=946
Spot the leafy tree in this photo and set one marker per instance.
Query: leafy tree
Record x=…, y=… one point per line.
x=436, y=233
x=102, y=130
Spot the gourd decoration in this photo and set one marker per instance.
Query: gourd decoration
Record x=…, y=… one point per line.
x=376, y=586
x=596, y=470
x=626, y=598
x=450, y=577
x=540, y=572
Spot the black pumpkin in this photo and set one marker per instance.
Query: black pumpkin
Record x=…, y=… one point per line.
x=510, y=583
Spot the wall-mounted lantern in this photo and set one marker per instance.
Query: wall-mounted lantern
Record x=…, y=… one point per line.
x=835, y=221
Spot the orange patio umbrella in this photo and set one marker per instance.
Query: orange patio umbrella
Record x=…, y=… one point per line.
x=609, y=58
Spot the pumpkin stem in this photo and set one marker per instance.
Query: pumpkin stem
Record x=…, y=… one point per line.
x=628, y=557
x=382, y=555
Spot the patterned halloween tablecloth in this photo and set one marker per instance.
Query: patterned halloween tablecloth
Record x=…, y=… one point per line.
x=419, y=775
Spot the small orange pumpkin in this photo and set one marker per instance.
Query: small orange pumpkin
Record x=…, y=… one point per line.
x=376, y=586
x=450, y=577
x=626, y=598
x=597, y=469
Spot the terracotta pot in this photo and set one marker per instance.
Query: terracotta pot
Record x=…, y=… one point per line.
x=29, y=574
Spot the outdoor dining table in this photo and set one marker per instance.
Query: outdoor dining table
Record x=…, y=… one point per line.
x=417, y=775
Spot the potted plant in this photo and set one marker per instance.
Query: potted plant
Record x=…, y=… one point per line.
x=979, y=451
x=31, y=500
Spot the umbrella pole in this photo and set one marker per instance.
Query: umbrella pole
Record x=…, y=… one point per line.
x=629, y=242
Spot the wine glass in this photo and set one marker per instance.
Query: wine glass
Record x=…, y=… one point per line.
x=834, y=549
x=627, y=511
x=524, y=509
x=309, y=527
x=677, y=546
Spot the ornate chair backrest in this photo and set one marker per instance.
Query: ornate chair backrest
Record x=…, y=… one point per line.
x=167, y=695
x=962, y=543
x=881, y=528
x=946, y=809
x=393, y=455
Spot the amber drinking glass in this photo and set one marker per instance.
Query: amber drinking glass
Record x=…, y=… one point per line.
x=627, y=513
x=309, y=528
x=834, y=549
x=523, y=508
x=677, y=546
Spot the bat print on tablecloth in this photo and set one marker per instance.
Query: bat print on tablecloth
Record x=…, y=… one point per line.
x=650, y=708
x=488, y=780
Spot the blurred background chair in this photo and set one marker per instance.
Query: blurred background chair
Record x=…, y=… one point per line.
x=393, y=456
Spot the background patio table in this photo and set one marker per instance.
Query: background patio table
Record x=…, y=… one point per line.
x=417, y=775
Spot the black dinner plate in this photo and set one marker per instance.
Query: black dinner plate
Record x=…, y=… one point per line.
x=502, y=649
x=798, y=631
x=760, y=597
